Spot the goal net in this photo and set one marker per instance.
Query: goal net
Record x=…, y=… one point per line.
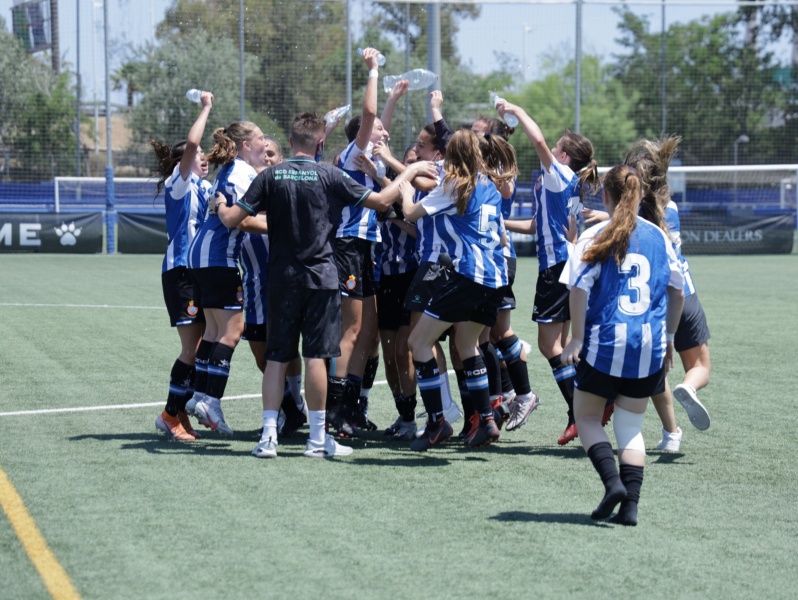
x=135, y=194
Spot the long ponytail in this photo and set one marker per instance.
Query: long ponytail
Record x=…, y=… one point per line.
x=651, y=159
x=623, y=187
x=462, y=166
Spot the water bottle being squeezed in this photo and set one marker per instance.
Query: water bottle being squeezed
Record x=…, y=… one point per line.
x=511, y=120
x=194, y=95
x=380, y=57
x=419, y=79
x=337, y=114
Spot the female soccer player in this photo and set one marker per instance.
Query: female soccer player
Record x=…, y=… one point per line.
x=467, y=207
x=626, y=299
x=181, y=169
x=568, y=171
x=213, y=258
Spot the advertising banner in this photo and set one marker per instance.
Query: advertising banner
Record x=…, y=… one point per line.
x=141, y=233
x=737, y=232
x=65, y=233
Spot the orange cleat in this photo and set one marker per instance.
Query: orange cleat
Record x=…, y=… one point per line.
x=182, y=416
x=171, y=426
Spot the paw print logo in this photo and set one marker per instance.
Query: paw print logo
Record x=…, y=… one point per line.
x=68, y=234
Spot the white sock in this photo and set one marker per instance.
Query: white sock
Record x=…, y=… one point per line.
x=364, y=392
x=316, y=422
x=269, y=425
x=446, y=393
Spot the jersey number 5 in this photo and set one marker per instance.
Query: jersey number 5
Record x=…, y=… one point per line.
x=489, y=227
x=636, y=299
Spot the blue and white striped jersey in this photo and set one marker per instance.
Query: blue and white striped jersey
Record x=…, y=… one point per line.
x=186, y=201
x=254, y=260
x=215, y=245
x=507, y=209
x=625, y=332
x=675, y=231
x=428, y=242
x=357, y=220
x=473, y=240
x=396, y=253
x=554, y=194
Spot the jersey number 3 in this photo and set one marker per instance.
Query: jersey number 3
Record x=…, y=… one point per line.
x=636, y=299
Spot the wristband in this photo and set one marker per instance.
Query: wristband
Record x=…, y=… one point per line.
x=374, y=73
x=669, y=336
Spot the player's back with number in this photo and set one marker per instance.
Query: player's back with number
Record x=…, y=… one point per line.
x=625, y=332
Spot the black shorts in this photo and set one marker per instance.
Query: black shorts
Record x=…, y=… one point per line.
x=218, y=287
x=295, y=311
x=178, y=294
x=428, y=278
x=355, y=267
x=506, y=291
x=593, y=381
x=551, y=297
x=254, y=332
x=461, y=299
x=693, y=329
x=391, y=292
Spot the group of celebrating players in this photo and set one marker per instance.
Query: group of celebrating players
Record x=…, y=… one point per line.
x=410, y=252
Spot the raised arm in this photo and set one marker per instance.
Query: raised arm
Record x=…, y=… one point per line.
x=532, y=131
x=399, y=90
x=369, y=113
x=195, y=135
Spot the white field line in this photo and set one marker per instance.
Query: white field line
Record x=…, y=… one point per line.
x=28, y=305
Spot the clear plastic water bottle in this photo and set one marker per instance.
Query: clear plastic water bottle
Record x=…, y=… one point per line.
x=337, y=114
x=194, y=95
x=380, y=56
x=511, y=120
x=419, y=79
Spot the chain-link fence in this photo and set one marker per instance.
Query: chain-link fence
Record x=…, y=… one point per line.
x=720, y=74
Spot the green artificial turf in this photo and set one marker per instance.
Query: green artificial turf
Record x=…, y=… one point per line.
x=130, y=514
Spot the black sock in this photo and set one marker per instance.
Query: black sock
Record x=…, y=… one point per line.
x=491, y=361
x=179, y=386
x=564, y=376
x=370, y=372
x=406, y=406
x=516, y=368
x=507, y=383
x=632, y=479
x=335, y=394
x=603, y=460
x=351, y=394
x=429, y=384
x=219, y=369
x=201, y=365
x=477, y=382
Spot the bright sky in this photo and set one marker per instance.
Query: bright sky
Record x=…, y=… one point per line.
x=512, y=28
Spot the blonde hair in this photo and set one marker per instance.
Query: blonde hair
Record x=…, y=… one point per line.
x=462, y=166
x=623, y=187
x=227, y=141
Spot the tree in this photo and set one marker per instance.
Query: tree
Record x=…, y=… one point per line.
x=718, y=87
x=390, y=17
x=37, y=113
x=298, y=45
x=165, y=72
x=606, y=110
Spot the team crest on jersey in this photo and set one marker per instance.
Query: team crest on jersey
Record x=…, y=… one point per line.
x=351, y=282
x=192, y=310
x=240, y=295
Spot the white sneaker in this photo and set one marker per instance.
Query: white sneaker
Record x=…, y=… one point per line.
x=266, y=449
x=670, y=442
x=699, y=416
x=210, y=414
x=328, y=449
x=192, y=402
x=405, y=430
x=521, y=409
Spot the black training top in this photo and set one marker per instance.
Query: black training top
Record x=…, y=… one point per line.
x=303, y=201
